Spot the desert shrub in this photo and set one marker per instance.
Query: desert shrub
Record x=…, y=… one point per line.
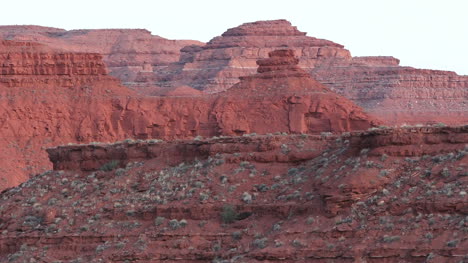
x=159, y=220
x=109, y=166
x=183, y=223
x=174, y=224
x=389, y=239
x=33, y=220
x=445, y=172
x=260, y=242
x=276, y=227
x=297, y=243
x=237, y=235
x=229, y=214
x=246, y=197
x=452, y=243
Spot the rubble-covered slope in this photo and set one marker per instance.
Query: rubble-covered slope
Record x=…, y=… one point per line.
x=378, y=196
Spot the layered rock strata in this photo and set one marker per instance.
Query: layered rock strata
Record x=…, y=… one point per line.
x=378, y=84
x=126, y=52
x=152, y=65
x=52, y=97
x=270, y=197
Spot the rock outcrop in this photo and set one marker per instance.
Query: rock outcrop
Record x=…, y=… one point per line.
x=378, y=84
x=222, y=61
x=48, y=97
x=285, y=98
x=153, y=65
x=52, y=97
x=284, y=198
x=126, y=52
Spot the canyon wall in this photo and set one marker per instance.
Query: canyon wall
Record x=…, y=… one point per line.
x=51, y=97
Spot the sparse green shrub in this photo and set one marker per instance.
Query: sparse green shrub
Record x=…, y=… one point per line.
x=297, y=243
x=452, y=243
x=159, y=220
x=364, y=151
x=229, y=214
x=204, y=197
x=383, y=157
x=183, y=223
x=445, y=172
x=276, y=227
x=237, y=235
x=344, y=221
x=293, y=171
x=389, y=239
x=440, y=124
x=383, y=173
x=260, y=242
x=246, y=197
x=261, y=187
x=109, y=166
x=285, y=149
x=174, y=224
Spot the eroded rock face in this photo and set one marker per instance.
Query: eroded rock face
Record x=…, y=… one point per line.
x=286, y=97
x=52, y=97
x=285, y=198
x=398, y=94
x=218, y=65
x=151, y=65
x=378, y=84
x=126, y=52
x=49, y=97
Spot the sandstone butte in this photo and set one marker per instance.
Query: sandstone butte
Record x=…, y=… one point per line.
x=52, y=97
x=147, y=63
x=307, y=181
x=394, y=93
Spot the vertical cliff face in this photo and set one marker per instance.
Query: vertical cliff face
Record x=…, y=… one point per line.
x=126, y=52
x=51, y=97
x=48, y=97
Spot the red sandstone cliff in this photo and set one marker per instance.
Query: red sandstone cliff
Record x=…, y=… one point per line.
x=126, y=52
x=283, y=97
x=51, y=97
x=378, y=84
x=48, y=97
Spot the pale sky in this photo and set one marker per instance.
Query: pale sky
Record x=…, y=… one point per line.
x=421, y=33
